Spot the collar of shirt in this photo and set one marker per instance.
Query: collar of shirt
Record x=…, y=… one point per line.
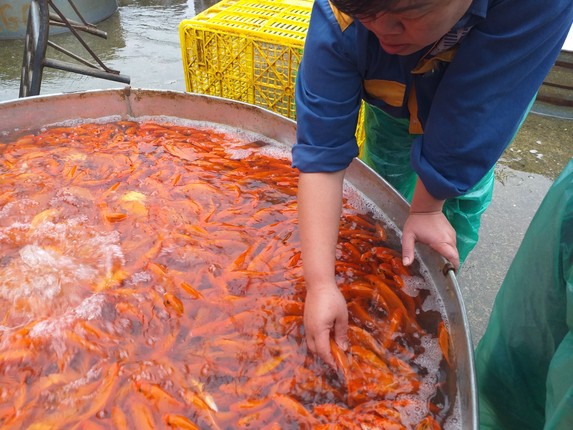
x=475, y=13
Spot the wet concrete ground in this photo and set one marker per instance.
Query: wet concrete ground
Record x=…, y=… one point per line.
x=527, y=169
x=143, y=43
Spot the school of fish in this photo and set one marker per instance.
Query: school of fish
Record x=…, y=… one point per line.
x=150, y=277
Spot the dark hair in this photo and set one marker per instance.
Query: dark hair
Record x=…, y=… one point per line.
x=363, y=8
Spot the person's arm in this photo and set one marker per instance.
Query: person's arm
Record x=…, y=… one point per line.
x=325, y=311
x=427, y=224
x=328, y=97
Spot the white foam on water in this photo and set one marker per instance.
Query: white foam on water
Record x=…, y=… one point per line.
x=411, y=416
x=16, y=206
x=71, y=196
x=413, y=285
x=55, y=266
x=430, y=359
x=100, y=248
x=432, y=355
x=41, y=274
x=277, y=150
x=239, y=154
x=93, y=374
x=90, y=308
x=69, y=395
x=453, y=422
x=16, y=230
x=54, y=328
x=434, y=302
x=140, y=277
x=79, y=122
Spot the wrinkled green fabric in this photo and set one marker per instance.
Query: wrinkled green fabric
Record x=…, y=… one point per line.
x=386, y=149
x=524, y=361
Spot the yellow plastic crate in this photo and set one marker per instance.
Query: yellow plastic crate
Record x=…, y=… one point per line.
x=247, y=50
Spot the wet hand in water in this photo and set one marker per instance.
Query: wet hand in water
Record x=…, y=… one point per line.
x=325, y=314
x=432, y=229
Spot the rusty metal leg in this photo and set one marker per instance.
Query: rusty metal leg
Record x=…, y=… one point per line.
x=42, y=14
x=35, y=44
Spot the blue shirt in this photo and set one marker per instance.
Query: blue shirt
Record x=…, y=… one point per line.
x=471, y=89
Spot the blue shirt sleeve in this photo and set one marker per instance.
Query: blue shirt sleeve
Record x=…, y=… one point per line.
x=326, y=124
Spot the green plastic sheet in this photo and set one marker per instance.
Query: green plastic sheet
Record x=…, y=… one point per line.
x=524, y=361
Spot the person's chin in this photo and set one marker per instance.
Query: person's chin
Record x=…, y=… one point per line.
x=399, y=49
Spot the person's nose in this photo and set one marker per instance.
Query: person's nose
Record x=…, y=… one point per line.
x=389, y=25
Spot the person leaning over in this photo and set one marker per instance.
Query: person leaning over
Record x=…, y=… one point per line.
x=446, y=85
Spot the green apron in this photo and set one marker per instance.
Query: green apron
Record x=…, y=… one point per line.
x=524, y=361
x=386, y=149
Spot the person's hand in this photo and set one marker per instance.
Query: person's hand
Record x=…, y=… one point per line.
x=433, y=229
x=325, y=312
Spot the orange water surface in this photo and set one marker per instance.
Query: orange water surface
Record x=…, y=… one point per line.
x=150, y=277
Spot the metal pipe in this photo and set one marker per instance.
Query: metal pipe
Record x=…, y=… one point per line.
x=71, y=54
x=91, y=29
x=78, y=13
x=89, y=71
x=77, y=35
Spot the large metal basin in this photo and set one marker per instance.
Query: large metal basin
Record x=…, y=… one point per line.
x=22, y=115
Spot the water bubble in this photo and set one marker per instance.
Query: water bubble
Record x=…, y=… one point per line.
x=54, y=267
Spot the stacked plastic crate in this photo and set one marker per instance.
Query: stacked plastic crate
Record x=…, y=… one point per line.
x=247, y=50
